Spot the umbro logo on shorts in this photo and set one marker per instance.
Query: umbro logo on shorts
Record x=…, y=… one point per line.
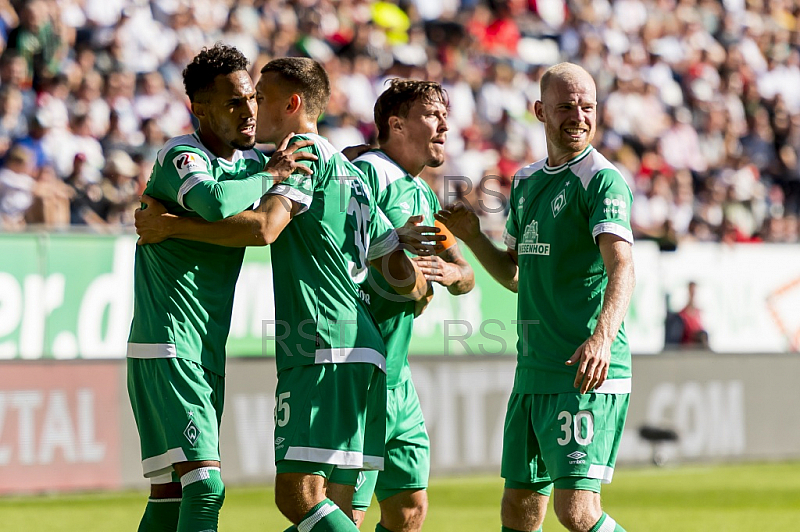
x=278, y=441
x=577, y=455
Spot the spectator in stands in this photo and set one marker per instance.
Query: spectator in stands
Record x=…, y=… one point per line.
x=694, y=330
x=120, y=188
x=16, y=188
x=51, y=201
x=725, y=74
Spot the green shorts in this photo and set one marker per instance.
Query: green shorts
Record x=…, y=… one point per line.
x=562, y=438
x=330, y=415
x=407, y=465
x=177, y=405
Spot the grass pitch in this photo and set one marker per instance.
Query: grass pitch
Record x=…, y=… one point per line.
x=736, y=498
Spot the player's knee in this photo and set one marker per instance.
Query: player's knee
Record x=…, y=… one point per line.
x=296, y=494
x=406, y=512
x=576, y=517
x=513, y=506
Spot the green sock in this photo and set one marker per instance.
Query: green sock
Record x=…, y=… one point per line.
x=160, y=515
x=326, y=517
x=203, y=494
x=606, y=524
x=506, y=529
x=291, y=529
x=379, y=528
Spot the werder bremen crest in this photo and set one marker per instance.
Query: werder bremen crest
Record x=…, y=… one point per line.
x=530, y=241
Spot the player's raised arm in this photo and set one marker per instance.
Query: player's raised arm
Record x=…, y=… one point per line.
x=250, y=228
x=216, y=200
x=464, y=224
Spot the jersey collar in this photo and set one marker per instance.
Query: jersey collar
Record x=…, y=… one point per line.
x=560, y=168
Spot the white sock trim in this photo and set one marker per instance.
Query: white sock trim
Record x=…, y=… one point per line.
x=309, y=523
x=196, y=475
x=164, y=500
x=608, y=525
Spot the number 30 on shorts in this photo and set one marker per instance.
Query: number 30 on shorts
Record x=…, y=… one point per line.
x=581, y=426
x=282, y=409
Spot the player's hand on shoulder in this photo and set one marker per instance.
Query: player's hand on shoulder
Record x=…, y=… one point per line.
x=285, y=161
x=420, y=239
x=151, y=221
x=354, y=152
x=461, y=220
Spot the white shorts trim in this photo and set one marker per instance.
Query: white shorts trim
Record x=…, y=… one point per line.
x=373, y=463
x=341, y=355
x=601, y=472
x=162, y=479
x=615, y=386
x=152, y=351
x=156, y=466
x=344, y=459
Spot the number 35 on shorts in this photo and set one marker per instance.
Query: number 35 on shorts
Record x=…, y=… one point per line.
x=282, y=410
x=579, y=427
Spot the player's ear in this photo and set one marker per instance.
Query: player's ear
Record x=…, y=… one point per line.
x=538, y=110
x=294, y=103
x=395, y=124
x=198, y=109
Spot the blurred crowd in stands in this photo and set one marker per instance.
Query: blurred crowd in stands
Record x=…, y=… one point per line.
x=699, y=100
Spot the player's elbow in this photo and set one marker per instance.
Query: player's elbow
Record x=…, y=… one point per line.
x=265, y=234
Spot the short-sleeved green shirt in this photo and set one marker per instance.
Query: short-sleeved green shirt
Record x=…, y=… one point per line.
x=556, y=214
x=183, y=290
x=399, y=195
x=321, y=258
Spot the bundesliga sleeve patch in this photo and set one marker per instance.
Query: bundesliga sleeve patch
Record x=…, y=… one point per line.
x=189, y=163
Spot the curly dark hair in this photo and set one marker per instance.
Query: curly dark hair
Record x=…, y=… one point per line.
x=305, y=77
x=220, y=60
x=400, y=96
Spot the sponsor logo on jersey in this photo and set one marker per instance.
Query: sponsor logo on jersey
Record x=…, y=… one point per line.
x=615, y=206
x=558, y=203
x=530, y=244
x=191, y=432
x=187, y=163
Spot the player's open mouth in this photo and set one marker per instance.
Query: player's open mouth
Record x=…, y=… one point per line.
x=574, y=132
x=248, y=129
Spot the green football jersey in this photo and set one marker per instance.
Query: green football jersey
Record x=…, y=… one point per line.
x=183, y=290
x=556, y=214
x=399, y=195
x=319, y=261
